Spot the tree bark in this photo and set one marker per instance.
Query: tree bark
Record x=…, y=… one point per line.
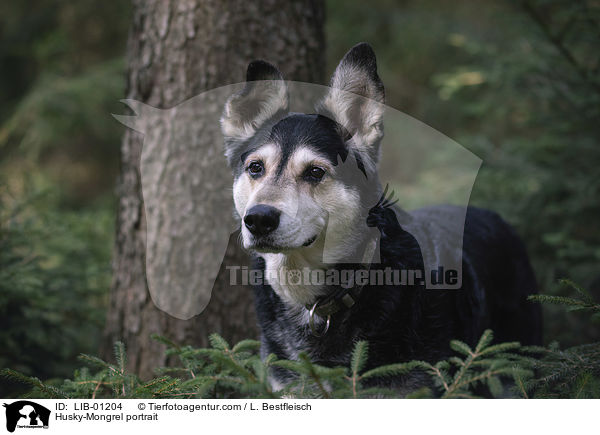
x=176, y=50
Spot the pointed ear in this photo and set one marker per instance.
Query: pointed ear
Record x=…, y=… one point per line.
x=264, y=96
x=356, y=100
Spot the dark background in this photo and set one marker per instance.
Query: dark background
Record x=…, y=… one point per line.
x=517, y=85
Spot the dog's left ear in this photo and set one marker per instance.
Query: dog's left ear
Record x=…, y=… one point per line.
x=264, y=96
x=356, y=100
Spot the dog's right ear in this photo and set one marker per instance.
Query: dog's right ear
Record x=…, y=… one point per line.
x=263, y=98
x=356, y=100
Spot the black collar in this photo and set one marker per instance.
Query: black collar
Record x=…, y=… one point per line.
x=336, y=301
x=325, y=306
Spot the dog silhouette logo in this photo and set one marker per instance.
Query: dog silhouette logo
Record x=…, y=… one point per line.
x=26, y=414
x=186, y=180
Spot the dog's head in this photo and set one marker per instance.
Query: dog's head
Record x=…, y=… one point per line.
x=293, y=172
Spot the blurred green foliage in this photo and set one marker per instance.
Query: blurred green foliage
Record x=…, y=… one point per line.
x=61, y=72
x=54, y=276
x=516, y=82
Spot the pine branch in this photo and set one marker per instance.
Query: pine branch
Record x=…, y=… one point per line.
x=51, y=392
x=222, y=371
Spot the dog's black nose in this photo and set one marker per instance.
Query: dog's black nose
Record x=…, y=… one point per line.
x=262, y=219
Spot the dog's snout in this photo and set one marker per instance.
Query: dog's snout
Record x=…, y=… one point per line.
x=262, y=219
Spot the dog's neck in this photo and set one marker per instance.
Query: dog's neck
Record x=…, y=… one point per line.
x=289, y=274
x=286, y=274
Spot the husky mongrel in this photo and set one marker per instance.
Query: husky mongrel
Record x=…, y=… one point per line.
x=307, y=192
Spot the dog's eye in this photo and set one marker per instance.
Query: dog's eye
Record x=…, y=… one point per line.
x=255, y=168
x=314, y=173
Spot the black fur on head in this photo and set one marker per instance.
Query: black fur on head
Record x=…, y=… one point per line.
x=353, y=106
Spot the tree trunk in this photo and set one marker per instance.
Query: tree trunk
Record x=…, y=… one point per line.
x=178, y=49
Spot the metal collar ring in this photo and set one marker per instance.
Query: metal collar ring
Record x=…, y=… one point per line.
x=311, y=322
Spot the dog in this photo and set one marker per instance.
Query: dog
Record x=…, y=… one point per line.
x=302, y=207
